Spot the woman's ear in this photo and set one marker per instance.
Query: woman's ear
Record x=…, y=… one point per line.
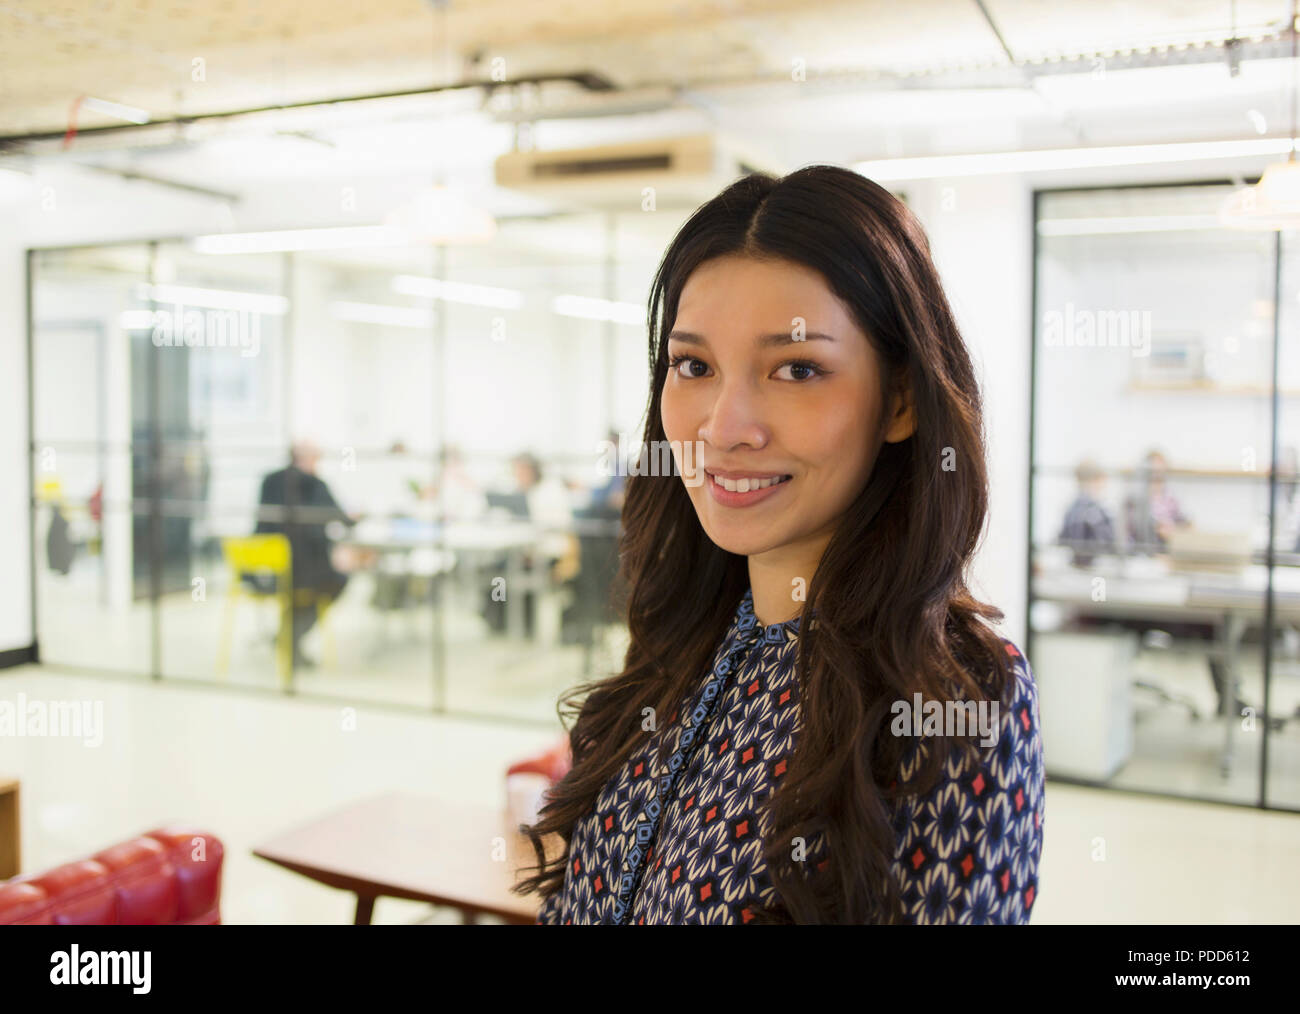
x=902, y=418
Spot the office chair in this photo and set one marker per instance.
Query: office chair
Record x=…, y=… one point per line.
x=597, y=585
x=1161, y=640
x=261, y=556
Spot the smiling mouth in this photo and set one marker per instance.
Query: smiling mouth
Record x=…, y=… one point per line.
x=748, y=485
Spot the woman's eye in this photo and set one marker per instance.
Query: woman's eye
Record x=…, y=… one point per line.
x=806, y=370
x=676, y=361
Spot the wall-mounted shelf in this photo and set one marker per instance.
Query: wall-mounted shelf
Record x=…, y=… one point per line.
x=1172, y=473
x=1209, y=387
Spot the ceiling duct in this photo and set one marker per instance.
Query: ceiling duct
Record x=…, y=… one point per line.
x=686, y=169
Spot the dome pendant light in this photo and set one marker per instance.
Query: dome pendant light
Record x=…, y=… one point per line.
x=1273, y=202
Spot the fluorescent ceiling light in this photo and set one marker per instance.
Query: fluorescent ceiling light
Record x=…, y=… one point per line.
x=219, y=299
x=440, y=215
x=1048, y=160
x=599, y=309
x=15, y=186
x=1104, y=88
x=1272, y=203
x=136, y=320
x=132, y=114
x=1124, y=224
x=377, y=313
x=458, y=292
x=285, y=240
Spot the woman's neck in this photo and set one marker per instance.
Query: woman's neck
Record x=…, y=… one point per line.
x=780, y=578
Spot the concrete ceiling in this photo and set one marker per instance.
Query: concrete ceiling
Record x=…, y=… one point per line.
x=880, y=79
x=176, y=58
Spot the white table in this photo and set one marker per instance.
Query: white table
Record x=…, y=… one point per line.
x=1228, y=601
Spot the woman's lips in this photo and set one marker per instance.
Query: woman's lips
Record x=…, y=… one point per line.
x=730, y=498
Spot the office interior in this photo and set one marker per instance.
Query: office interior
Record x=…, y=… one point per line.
x=343, y=235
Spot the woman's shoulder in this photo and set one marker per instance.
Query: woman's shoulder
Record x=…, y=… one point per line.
x=1023, y=690
x=978, y=831
x=1019, y=718
x=1009, y=748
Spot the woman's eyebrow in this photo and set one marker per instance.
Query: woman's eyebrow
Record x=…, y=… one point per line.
x=763, y=340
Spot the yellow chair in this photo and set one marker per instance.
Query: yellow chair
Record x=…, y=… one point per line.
x=50, y=491
x=268, y=555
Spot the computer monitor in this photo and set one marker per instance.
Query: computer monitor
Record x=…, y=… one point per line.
x=1191, y=549
x=515, y=503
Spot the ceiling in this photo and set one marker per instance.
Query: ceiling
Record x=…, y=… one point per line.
x=176, y=58
x=802, y=80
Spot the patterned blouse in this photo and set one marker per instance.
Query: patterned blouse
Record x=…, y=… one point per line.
x=967, y=852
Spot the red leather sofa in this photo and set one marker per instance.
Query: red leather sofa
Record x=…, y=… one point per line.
x=171, y=876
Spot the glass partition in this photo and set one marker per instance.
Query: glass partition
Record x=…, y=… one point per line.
x=92, y=606
x=456, y=545
x=1152, y=445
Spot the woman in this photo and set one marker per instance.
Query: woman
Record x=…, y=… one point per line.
x=1154, y=513
x=749, y=763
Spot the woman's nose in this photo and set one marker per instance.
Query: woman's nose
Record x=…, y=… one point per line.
x=735, y=417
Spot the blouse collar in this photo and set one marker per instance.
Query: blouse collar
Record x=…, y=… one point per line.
x=746, y=620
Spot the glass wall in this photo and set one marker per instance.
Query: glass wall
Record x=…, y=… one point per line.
x=89, y=572
x=1153, y=440
x=447, y=537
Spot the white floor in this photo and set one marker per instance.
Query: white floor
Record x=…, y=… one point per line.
x=246, y=767
x=243, y=767
x=365, y=654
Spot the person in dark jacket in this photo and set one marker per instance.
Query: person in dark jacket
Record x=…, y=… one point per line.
x=308, y=506
x=1087, y=528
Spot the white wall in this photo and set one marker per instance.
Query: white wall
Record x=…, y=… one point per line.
x=981, y=234
x=15, y=491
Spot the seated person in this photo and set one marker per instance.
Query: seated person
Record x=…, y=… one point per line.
x=1154, y=512
x=297, y=487
x=546, y=502
x=1151, y=516
x=1087, y=528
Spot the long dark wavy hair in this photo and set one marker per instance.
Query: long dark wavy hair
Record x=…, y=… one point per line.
x=894, y=616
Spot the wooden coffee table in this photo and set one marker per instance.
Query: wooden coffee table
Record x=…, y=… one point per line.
x=11, y=853
x=418, y=848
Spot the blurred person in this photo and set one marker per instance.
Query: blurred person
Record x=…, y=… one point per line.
x=311, y=506
x=458, y=495
x=548, y=508
x=1153, y=512
x=549, y=505
x=607, y=498
x=406, y=481
x=1088, y=528
x=1152, y=515
x=1287, y=509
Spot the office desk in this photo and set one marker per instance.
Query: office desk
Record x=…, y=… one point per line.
x=482, y=542
x=1230, y=602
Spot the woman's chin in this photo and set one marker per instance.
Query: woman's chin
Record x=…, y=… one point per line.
x=741, y=543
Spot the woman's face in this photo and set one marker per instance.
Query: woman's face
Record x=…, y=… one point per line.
x=761, y=403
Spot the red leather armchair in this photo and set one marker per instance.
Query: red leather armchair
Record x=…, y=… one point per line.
x=528, y=781
x=155, y=879
x=552, y=764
